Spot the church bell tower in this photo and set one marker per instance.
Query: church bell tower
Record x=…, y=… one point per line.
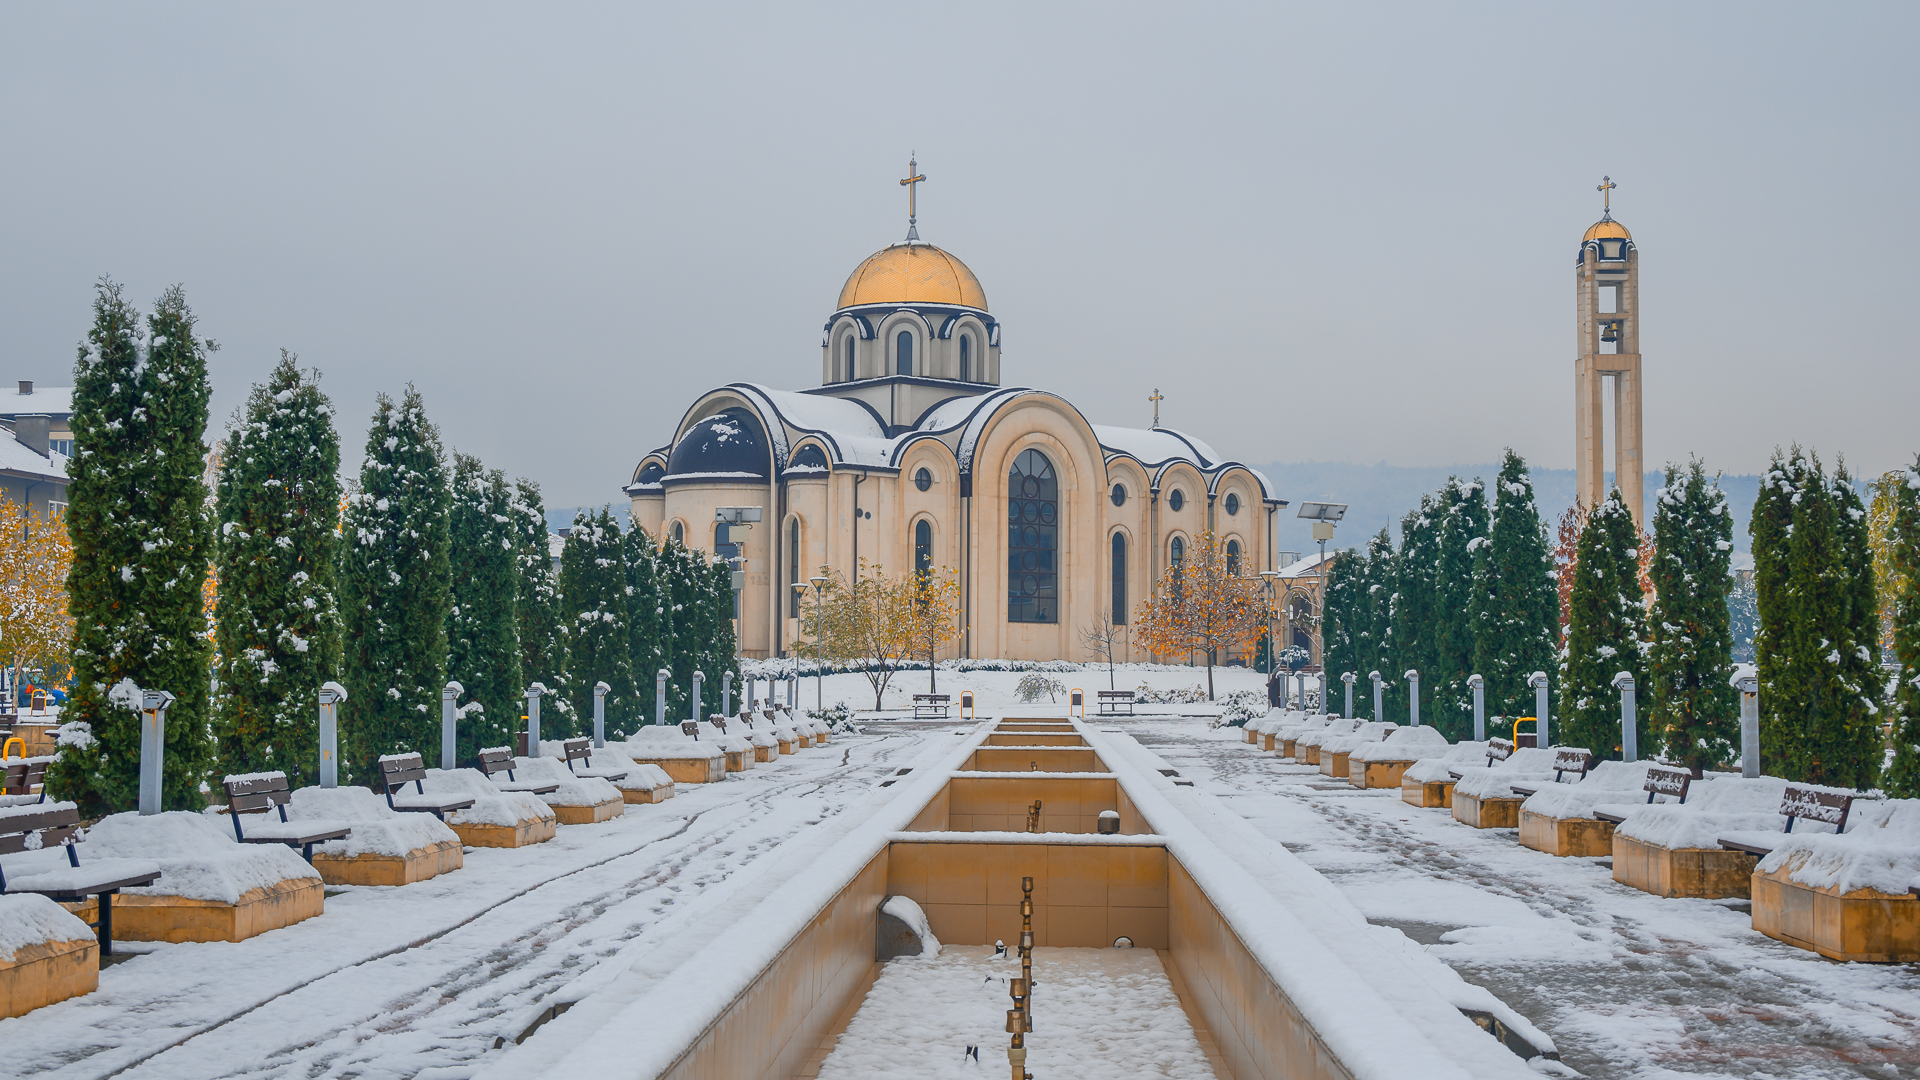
x=1607, y=306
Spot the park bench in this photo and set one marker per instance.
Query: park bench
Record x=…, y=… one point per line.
x=934, y=706
x=1831, y=807
x=22, y=776
x=1108, y=702
x=269, y=792
x=399, y=770
x=582, y=750
x=1660, y=781
x=1565, y=761
x=1497, y=750
x=499, y=759
x=38, y=829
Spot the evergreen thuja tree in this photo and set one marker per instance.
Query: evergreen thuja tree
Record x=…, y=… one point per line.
x=1516, y=607
x=278, y=620
x=1374, y=652
x=1771, y=530
x=1903, y=774
x=1345, y=622
x=394, y=589
x=1606, y=634
x=543, y=652
x=1463, y=530
x=142, y=546
x=483, y=640
x=1692, y=711
x=646, y=602
x=1413, y=636
x=593, y=590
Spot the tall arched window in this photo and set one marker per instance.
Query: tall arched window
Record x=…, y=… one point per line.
x=1233, y=556
x=848, y=376
x=793, y=568
x=1177, y=556
x=966, y=358
x=923, y=547
x=679, y=533
x=1033, y=534
x=903, y=353
x=1119, y=579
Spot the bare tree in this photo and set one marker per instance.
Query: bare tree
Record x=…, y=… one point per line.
x=1099, y=638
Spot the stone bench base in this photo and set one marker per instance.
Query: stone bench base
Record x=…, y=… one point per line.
x=1431, y=794
x=1376, y=774
x=1286, y=747
x=786, y=746
x=635, y=796
x=803, y=741
x=765, y=753
x=519, y=834
x=1334, y=764
x=139, y=917
x=690, y=770
x=1707, y=873
x=48, y=971
x=738, y=760
x=1486, y=813
x=416, y=865
x=1266, y=741
x=1586, y=837
x=588, y=815
x=1864, y=925
x=1249, y=736
x=1307, y=755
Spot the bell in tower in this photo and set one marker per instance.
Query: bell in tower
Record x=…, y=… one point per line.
x=1607, y=320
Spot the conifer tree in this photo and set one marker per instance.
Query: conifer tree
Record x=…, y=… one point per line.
x=483, y=640
x=142, y=547
x=543, y=653
x=1344, y=627
x=1462, y=530
x=395, y=590
x=593, y=590
x=1606, y=634
x=720, y=648
x=1515, y=603
x=278, y=620
x=1903, y=775
x=1382, y=573
x=1771, y=530
x=1691, y=709
x=646, y=610
x=1412, y=640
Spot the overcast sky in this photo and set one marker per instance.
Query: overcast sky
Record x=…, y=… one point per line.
x=1332, y=232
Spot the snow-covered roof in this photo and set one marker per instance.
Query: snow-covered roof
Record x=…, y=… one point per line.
x=1305, y=567
x=1156, y=446
x=17, y=459
x=52, y=400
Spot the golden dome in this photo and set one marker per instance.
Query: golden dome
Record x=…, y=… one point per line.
x=1607, y=229
x=912, y=274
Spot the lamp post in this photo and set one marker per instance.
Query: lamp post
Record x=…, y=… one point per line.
x=1538, y=681
x=1324, y=515
x=726, y=693
x=1377, y=696
x=1349, y=679
x=660, y=697
x=153, y=748
x=1746, y=679
x=1413, y=693
x=331, y=695
x=819, y=631
x=600, y=692
x=1479, y=686
x=534, y=693
x=1629, y=736
x=449, y=722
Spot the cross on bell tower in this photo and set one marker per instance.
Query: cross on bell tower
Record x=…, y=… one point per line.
x=1607, y=320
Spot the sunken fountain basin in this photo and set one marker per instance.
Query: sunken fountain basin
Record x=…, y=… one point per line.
x=384, y=848
x=46, y=954
x=211, y=887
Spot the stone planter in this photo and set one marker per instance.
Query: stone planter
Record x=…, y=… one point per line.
x=786, y=745
x=416, y=865
x=802, y=739
x=1377, y=774
x=1334, y=763
x=1708, y=873
x=1865, y=924
x=738, y=760
x=1308, y=755
x=690, y=770
x=1266, y=741
x=1486, y=813
x=519, y=834
x=634, y=796
x=140, y=917
x=1566, y=836
x=587, y=815
x=1247, y=735
x=48, y=971
x=1430, y=795
x=765, y=753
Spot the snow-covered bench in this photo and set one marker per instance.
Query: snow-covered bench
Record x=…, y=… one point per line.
x=49, y=828
x=738, y=748
x=1286, y=736
x=581, y=750
x=1428, y=782
x=386, y=847
x=248, y=792
x=684, y=759
x=1847, y=896
x=43, y=956
x=637, y=783
x=1673, y=849
x=1306, y=748
x=576, y=800
x=495, y=760
x=1334, y=752
x=1829, y=805
x=22, y=776
x=1661, y=780
x=493, y=818
x=1483, y=796
x=931, y=706
x=399, y=770
x=1108, y=702
x=1558, y=818
x=1382, y=764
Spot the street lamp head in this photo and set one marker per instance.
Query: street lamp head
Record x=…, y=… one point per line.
x=1475, y=682
x=817, y=581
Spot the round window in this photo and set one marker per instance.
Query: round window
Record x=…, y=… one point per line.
x=1119, y=494
x=923, y=479
x=1233, y=504
x=1176, y=500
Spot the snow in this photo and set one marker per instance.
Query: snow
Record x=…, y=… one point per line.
x=573, y=790
x=491, y=806
x=1607, y=782
x=1433, y=770
x=1154, y=446
x=197, y=855
x=1402, y=744
x=907, y=911
x=1846, y=863
x=1716, y=806
x=377, y=830
x=1365, y=734
x=664, y=743
x=1484, y=782
x=1334, y=729
x=609, y=759
x=27, y=919
x=1098, y=1014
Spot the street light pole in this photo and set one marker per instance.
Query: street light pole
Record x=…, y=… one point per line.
x=819, y=629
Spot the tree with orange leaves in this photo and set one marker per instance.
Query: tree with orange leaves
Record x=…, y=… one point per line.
x=35, y=555
x=1201, y=604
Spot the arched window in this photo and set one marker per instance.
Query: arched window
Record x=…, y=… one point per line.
x=848, y=376
x=903, y=353
x=966, y=358
x=1119, y=579
x=793, y=568
x=1033, y=533
x=923, y=547
x=1177, y=558
x=679, y=533
x=1178, y=550
x=1233, y=556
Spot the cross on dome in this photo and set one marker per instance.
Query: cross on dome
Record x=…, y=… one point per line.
x=1606, y=194
x=912, y=184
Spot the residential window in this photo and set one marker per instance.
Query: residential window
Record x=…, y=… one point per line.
x=923, y=479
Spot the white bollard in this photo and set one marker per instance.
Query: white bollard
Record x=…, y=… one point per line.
x=1413, y=690
x=660, y=697
x=1538, y=680
x=1378, y=696
x=449, y=722
x=1629, y=736
x=600, y=692
x=1746, y=679
x=331, y=695
x=153, y=747
x=1479, y=686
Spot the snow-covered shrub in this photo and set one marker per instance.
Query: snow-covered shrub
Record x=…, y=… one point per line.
x=1242, y=706
x=838, y=718
x=1176, y=696
x=1033, y=684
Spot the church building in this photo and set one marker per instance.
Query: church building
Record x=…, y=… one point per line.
x=913, y=453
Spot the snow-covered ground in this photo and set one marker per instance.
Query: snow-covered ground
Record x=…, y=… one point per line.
x=995, y=690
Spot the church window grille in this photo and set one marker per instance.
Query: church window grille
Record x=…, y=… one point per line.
x=1233, y=504
x=793, y=568
x=1233, y=556
x=923, y=479
x=903, y=353
x=1119, y=579
x=966, y=358
x=849, y=351
x=1119, y=494
x=1033, y=533
x=1176, y=500
x=923, y=547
